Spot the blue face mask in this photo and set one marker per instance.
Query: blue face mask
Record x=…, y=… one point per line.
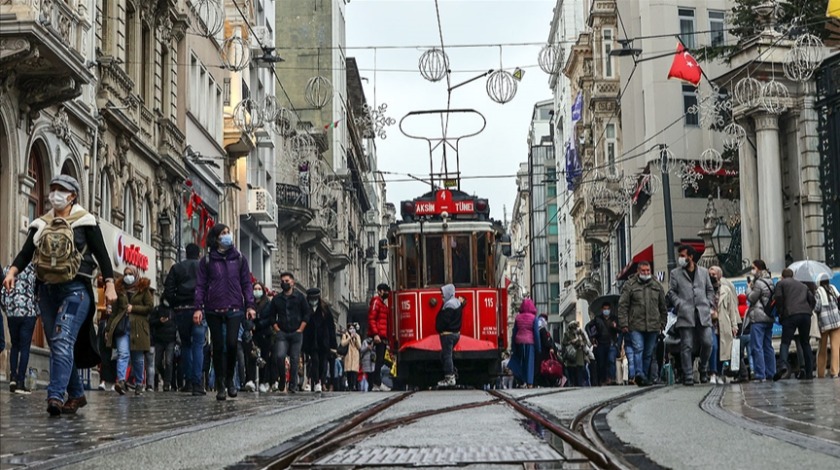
x=605, y=312
x=226, y=240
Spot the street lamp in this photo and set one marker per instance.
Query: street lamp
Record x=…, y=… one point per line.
x=722, y=238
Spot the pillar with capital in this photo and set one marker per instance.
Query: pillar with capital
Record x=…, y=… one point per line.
x=769, y=181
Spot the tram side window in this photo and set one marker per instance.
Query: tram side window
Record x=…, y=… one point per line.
x=434, y=261
x=411, y=262
x=461, y=265
x=481, y=259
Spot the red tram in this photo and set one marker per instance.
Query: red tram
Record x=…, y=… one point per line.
x=446, y=236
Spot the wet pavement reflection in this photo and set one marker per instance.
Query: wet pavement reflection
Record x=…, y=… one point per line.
x=806, y=407
x=29, y=436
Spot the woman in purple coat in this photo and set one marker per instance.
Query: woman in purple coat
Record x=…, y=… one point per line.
x=525, y=344
x=223, y=292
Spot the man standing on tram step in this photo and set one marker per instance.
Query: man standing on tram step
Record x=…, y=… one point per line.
x=64, y=243
x=378, y=330
x=641, y=316
x=179, y=292
x=796, y=303
x=288, y=314
x=693, y=297
x=223, y=289
x=448, y=326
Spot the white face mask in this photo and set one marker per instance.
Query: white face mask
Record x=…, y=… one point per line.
x=683, y=262
x=60, y=199
x=644, y=277
x=129, y=279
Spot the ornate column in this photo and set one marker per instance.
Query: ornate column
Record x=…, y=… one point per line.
x=750, y=237
x=770, y=209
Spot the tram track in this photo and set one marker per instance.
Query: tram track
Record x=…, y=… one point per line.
x=581, y=445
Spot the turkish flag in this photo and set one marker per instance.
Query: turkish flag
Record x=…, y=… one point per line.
x=684, y=67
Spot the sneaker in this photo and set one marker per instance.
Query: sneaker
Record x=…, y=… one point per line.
x=385, y=388
x=121, y=387
x=275, y=388
x=448, y=381
x=639, y=381
x=198, y=390
x=149, y=388
x=250, y=386
x=704, y=378
x=101, y=386
x=317, y=388
x=688, y=382
x=220, y=394
x=306, y=387
x=166, y=388
x=138, y=390
x=54, y=407
x=713, y=379
x=232, y=392
x=72, y=405
x=22, y=390
x=376, y=388
x=264, y=388
x=12, y=386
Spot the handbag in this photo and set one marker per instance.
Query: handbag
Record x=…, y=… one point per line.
x=735, y=355
x=122, y=326
x=569, y=353
x=551, y=367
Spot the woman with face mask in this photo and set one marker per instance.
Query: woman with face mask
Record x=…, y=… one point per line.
x=66, y=289
x=319, y=339
x=828, y=317
x=761, y=323
x=128, y=331
x=352, y=360
x=224, y=295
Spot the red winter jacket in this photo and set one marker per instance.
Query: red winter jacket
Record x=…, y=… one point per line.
x=378, y=317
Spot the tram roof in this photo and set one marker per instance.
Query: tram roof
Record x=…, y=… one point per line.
x=437, y=226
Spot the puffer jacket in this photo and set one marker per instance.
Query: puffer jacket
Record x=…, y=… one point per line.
x=642, y=305
x=759, y=297
x=352, y=360
x=223, y=281
x=378, y=317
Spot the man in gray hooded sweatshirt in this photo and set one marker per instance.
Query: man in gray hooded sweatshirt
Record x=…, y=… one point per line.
x=448, y=326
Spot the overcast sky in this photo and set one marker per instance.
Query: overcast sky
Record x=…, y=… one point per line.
x=503, y=144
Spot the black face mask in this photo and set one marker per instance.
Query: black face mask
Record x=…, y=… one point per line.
x=384, y=296
x=285, y=286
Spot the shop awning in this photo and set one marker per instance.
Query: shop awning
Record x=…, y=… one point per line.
x=630, y=269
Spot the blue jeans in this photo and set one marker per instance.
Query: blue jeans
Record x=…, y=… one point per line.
x=64, y=308
x=643, y=343
x=123, y=355
x=714, y=359
x=288, y=343
x=628, y=353
x=447, y=345
x=761, y=346
x=20, y=335
x=192, y=345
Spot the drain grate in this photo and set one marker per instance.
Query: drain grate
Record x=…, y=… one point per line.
x=422, y=456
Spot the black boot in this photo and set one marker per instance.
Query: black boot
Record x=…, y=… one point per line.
x=220, y=390
x=198, y=390
x=784, y=369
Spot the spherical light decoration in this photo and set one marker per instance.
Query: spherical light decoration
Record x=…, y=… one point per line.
x=550, y=59
x=433, y=65
x=211, y=14
x=501, y=86
x=318, y=92
x=629, y=184
x=811, y=51
x=773, y=97
x=748, y=91
x=302, y=147
x=651, y=184
x=671, y=162
x=711, y=161
x=734, y=135
x=247, y=116
x=236, y=53
x=270, y=108
x=282, y=121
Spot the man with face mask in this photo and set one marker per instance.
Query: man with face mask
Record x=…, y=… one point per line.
x=378, y=312
x=641, y=316
x=319, y=339
x=288, y=314
x=693, y=297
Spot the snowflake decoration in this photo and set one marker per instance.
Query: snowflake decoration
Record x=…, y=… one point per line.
x=711, y=108
x=689, y=175
x=374, y=121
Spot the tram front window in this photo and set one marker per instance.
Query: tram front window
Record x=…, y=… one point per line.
x=411, y=261
x=434, y=261
x=461, y=266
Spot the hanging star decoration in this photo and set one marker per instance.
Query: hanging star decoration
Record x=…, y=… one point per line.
x=373, y=120
x=711, y=108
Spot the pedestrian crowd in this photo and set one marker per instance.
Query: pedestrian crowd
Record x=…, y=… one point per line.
x=213, y=328
x=698, y=329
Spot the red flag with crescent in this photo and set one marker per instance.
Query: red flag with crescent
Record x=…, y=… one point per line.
x=684, y=67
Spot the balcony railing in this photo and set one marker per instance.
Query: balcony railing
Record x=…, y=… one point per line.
x=291, y=196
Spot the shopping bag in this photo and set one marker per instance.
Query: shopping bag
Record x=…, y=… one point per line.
x=735, y=359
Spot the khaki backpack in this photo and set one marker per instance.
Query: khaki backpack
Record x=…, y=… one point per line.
x=56, y=258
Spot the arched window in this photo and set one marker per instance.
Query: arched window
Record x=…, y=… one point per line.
x=69, y=169
x=106, y=199
x=128, y=210
x=37, y=196
x=147, y=223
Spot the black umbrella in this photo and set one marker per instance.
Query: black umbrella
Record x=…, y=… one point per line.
x=597, y=304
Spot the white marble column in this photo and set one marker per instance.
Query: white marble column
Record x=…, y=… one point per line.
x=770, y=209
x=750, y=237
